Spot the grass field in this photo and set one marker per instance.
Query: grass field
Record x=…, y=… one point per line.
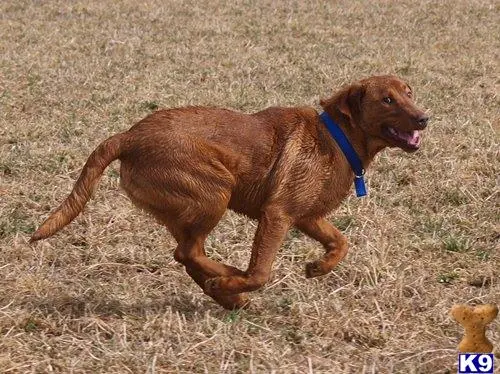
x=105, y=295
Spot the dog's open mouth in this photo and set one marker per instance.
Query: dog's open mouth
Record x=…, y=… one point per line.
x=405, y=139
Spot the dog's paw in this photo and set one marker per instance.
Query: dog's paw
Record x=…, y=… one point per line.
x=231, y=285
x=212, y=286
x=314, y=269
x=232, y=302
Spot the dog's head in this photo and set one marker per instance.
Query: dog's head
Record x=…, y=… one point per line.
x=383, y=107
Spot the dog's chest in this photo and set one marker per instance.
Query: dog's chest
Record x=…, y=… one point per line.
x=316, y=190
x=248, y=199
x=335, y=190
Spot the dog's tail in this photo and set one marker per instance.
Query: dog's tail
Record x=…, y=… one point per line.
x=102, y=156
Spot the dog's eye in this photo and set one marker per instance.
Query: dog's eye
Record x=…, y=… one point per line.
x=387, y=100
x=409, y=94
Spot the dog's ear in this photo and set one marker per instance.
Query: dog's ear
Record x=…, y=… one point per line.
x=350, y=99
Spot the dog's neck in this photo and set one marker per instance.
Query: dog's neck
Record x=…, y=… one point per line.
x=365, y=146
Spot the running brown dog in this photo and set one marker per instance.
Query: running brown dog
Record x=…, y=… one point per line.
x=281, y=166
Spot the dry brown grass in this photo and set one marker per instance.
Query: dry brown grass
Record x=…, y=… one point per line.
x=105, y=295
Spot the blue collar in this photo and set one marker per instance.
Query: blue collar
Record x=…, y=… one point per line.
x=349, y=153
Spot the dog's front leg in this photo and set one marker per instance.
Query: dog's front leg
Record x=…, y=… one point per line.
x=333, y=241
x=272, y=228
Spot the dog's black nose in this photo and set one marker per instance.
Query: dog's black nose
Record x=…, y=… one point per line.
x=422, y=120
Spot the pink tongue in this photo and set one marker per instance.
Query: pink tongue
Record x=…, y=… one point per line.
x=412, y=138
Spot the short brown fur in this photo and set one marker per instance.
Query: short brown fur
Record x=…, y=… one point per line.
x=186, y=166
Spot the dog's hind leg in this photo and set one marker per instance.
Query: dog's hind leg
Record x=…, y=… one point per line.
x=190, y=234
x=189, y=205
x=333, y=241
x=190, y=229
x=191, y=253
x=272, y=228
